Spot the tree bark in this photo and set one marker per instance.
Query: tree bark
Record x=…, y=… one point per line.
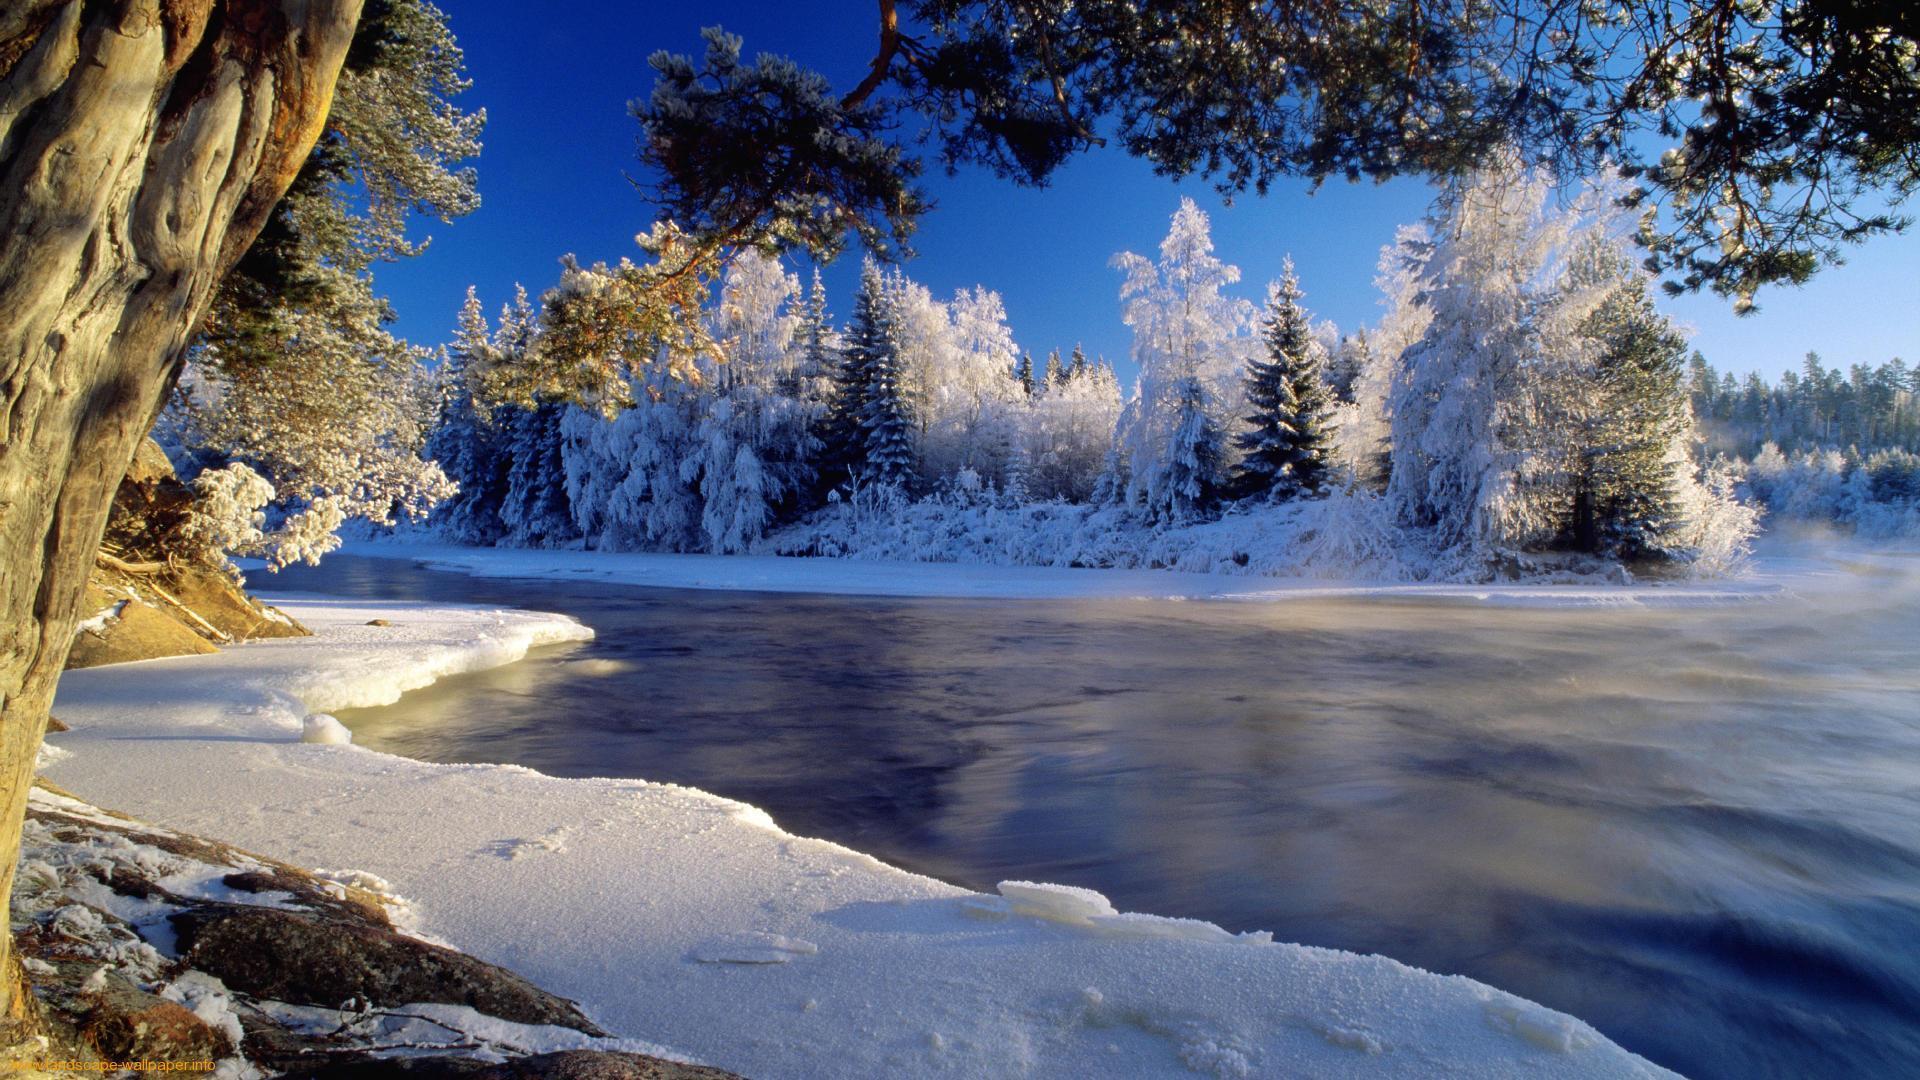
x=142, y=145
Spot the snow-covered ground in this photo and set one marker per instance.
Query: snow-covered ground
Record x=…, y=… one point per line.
x=873, y=577
x=695, y=922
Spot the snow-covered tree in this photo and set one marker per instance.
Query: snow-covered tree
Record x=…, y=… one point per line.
x=1185, y=328
x=1286, y=441
x=1191, y=471
x=755, y=448
x=870, y=335
x=468, y=433
x=1363, y=429
x=535, y=511
x=1068, y=433
x=970, y=410
x=1479, y=449
x=886, y=422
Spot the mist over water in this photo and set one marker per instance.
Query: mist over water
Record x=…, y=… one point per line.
x=1697, y=829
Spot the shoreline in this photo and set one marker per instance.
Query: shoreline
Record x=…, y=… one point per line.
x=693, y=921
x=836, y=576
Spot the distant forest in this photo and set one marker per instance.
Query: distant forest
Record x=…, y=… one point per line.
x=1864, y=408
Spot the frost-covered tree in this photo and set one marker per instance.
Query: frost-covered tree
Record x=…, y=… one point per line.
x=969, y=410
x=534, y=511
x=1068, y=433
x=755, y=447
x=468, y=437
x=1476, y=457
x=1023, y=374
x=1286, y=442
x=886, y=420
x=1077, y=366
x=1191, y=472
x=870, y=335
x=1056, y=373
x=1363, y=431
x=1185, y=328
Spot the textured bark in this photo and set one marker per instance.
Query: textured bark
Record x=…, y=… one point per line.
x=142, y=145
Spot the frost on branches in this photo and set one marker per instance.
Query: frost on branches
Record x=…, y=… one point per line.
x=1518, y=410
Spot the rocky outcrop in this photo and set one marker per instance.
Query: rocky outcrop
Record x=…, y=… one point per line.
x=318, y=979
x=325, y=959
x=152, y=591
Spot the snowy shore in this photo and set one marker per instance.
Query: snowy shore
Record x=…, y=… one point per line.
x=874, y=577
x=695, y=922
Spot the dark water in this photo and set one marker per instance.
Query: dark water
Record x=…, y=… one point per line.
x=1697, y=829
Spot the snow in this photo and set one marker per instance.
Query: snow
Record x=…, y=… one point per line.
x=887, y=973
x=876, y=577
x=324, y=730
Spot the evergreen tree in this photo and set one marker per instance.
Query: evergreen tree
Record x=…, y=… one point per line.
x=1626, y=504
x=812, y=377
x=466, y=439
x=842, y=432
x=1055, y=374
x=886, y=420
x=535, y=511
x=1287, y=440
x=1190, y=474
x=1078, y=365
x=1023, y=373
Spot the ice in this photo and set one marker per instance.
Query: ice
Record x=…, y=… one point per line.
x=752, y=947
x=1055, y=903
x=325, y=730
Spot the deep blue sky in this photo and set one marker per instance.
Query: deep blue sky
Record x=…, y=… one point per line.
x=555, y=79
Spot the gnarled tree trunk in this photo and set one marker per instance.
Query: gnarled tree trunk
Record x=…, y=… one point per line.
x=142, y=144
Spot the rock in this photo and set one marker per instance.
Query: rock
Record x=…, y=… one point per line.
x=130, y=1024
x=564, y=1065
x=54, y=724
x=378, y=622
x=308, y=960
x=135, y=631
x=122, y=1022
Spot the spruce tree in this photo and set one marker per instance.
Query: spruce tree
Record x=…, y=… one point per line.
x=1288, y=437
x=886, y=419
x=842, y=433
x=1078, y=365
x=1626, y=499
x=1055, y=374
x=1023, y=373
x=1190, y=479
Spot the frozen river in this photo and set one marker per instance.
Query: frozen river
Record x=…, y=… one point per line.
x=1697, y=829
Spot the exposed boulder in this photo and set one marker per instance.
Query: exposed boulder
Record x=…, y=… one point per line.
x=153, y=591
x=317, y=977
x=313, y=960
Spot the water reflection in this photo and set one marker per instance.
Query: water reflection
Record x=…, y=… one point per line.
x=1699, y=830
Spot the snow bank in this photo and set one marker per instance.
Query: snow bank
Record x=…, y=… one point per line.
x=879, y=577
x=659, y=907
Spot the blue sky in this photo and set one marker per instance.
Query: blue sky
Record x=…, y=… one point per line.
x=555, y=79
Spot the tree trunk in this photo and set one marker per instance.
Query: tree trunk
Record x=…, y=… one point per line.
x=142, y=145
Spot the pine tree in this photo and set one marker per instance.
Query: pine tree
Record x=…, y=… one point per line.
x=1078, y=365
x=535, y=511
x=465, y=440
x=886, y=420
x=1626, y=498
x=1287, y=440
x=1055, y=374
x=842, y=431
x=1023, y=373
x=1190, y=477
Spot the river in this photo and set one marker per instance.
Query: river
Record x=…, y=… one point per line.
x=1697, y=829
